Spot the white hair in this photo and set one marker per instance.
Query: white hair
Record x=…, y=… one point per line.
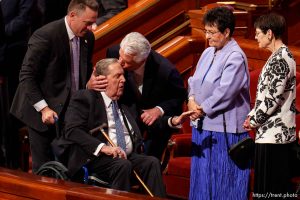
x=137, y=45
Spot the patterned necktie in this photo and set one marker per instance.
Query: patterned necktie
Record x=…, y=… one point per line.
x=119, y=126
x=75, y=63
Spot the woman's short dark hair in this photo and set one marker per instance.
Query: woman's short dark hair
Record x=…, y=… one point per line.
x=271, y=21
x=222, y=17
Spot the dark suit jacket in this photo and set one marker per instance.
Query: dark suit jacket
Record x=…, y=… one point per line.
x=46, y=72
x=16, y=18
x=2, y=39
x=85, y=112
x=162, y=86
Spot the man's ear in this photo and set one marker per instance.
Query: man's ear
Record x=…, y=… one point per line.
x=72, y=14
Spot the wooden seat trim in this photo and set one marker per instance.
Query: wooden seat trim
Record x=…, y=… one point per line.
x=21, y=185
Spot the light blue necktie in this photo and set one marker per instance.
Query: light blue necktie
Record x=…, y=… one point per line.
x=75, y=63
x=119, y=126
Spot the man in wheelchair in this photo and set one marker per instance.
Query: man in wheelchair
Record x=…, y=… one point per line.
x=114, y=164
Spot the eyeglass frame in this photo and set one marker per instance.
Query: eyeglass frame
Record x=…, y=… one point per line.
x=206, y=32
x=257, y=33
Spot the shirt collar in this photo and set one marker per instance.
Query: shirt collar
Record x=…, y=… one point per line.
x=107, y=100
x=69, y=30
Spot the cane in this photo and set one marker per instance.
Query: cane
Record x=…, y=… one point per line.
x=101, y=128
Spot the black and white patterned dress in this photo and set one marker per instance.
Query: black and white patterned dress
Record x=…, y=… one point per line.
x=274, y=112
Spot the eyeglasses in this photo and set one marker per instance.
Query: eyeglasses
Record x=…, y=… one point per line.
x=206, y=32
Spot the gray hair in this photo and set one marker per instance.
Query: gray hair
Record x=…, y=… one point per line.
x=80, y=5
x=137, y=45
x=102, y=66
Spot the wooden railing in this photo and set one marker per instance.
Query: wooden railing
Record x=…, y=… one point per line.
x=257, y=57
x=19, y=185
x=152, y=18
x=184, y=52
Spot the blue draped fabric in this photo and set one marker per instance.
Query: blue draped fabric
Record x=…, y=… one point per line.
x=213, y=174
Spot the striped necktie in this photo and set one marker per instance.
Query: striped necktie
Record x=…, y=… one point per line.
x=75, y=63
x=119, y=126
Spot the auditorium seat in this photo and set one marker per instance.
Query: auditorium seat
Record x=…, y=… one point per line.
x=177, y=173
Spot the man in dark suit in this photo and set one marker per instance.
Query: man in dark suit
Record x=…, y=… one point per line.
x=57, y=62
x=17, y=19
x=153, y=88
x=89, y=109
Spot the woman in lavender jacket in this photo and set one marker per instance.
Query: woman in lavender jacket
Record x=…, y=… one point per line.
x=219, y=93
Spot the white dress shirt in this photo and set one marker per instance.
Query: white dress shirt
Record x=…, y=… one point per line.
x=112, y=128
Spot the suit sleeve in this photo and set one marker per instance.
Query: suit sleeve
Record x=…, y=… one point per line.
x=22, y=18
x=34, y=66
x=76, y=123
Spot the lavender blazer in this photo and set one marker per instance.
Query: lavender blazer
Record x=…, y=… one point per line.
x=220, y=85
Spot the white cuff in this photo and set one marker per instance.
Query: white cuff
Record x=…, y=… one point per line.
x=170, y=124
x=40, y=105
x=161, y=110
x=97, y=152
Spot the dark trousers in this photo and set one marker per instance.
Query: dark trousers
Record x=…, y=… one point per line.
x=118, y=172
x=40, y=147
x=272, y=166
x=156, y=142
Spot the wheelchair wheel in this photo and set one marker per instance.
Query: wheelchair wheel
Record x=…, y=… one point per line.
x=54, y=169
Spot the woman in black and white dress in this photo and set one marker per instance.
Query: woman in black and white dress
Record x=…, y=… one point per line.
x=273, y=115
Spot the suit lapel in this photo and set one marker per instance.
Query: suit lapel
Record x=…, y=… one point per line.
x=130, y=119
x=100, y=112
x=64, y=39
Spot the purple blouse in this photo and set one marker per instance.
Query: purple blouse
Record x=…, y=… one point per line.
x=220, y=85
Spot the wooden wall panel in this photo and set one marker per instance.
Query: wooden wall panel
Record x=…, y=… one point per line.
x=143, y=17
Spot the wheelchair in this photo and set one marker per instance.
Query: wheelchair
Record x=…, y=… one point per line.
x=56, y=169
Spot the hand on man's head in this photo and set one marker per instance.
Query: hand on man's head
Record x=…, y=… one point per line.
x=98, y=83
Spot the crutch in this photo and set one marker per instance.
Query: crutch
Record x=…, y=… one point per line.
x=101, y=129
